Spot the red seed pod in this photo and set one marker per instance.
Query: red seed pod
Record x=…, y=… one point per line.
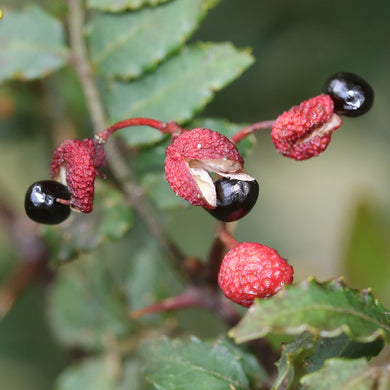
x=305, y=130
x=75, y=163
x=251, y=270
x=192, y=155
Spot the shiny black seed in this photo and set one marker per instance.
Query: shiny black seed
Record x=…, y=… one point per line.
x=352, y=96
x=235, y=198
x=41, y=203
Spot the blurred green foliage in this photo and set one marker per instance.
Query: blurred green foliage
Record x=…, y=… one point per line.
x=310, y=211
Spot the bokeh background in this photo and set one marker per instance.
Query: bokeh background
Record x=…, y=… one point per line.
x=330, y=216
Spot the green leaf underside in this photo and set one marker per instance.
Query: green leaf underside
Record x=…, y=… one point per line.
x=341, y=374
x=326, y=309
x=31, y=44
x=193, y=365
x=110, y=220
x=307, y=354
x=97, y=374
x=122, y=5
x=126, y=45
x=180, y=87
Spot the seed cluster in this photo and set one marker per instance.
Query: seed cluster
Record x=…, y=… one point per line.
x=205, y=168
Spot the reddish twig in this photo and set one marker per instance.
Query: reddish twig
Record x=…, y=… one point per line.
x=229, y=241
x=253, y=128
x=190, y=298
x=165, y=127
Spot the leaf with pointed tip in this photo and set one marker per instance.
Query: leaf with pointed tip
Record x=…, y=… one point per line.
x=110, y=220
x=324, y=309
x=128, y=44
x=341, y=374
x=31, y=44
x=121, y=5
x=193, y=365
x=180, y=87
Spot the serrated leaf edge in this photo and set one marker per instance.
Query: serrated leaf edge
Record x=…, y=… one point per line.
x=179, y=359
x=205, y=6
x=212, y=89
x=337, y=283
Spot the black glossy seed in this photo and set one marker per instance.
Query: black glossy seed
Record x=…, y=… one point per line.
x=41, y=203
x=352, y=96
x=235, y=198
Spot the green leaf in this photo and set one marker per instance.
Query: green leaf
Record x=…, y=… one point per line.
x=292, y=364
x=121, y=5
x=179, y=88
x=193, y=365
x=367, y=257
x=127, y=44
x=86, y=306
x=160, y=193
x=92, y=297
x=326, y=309
x=99, y=374
x=341, y=374
x=110, y=220
x=31, y=45
x=255, y=373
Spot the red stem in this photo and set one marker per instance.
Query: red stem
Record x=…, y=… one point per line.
x=189, y=298
x=165, y=127
x=227, y=239
x=253, y=128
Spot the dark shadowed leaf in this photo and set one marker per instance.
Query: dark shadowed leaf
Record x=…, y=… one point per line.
x=125, y=45
x=121, y=5
x=341, y=346
x=307, y=354
x=324, y=309
x=31, y=44
x=179, y=88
